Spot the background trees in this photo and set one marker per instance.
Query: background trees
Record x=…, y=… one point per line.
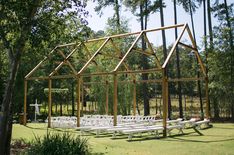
x=27, y=33
x=31, y=26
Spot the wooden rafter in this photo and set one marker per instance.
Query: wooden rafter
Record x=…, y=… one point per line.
x=129, y=50
x=39, y=64
x=93, y=56
x=174, y=47
x=196, y=51
x=65, y=61
x=152, y=51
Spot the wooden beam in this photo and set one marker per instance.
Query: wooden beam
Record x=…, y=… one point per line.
x=53, y=77
x=117, y=50
x=25, y=102
x=49, y=103
x=95, y=74
x=140, y=71
x=141, y=52
x=152, y=50
x=78, y=101
x=110, y=56
x=174, y=47
x=149, y=81
x=196, y=51
x=94, y=55
x=121, y=72
x=125, y=34
x=129, y=81
x=115, y=99
x=69, y=44
x=134, y=33
x=90, y=55
x=126, y=54
x=67, y=61
x=120, y=55
x=165, y=101
x=82, y=97
x=107, y=97
x=39, y=64
x=87, y=50
x=186, y=79
x=134, y=98
x=187, y=46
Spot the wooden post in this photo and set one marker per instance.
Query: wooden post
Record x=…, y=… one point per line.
x=49, y=103
x=107, y=97
x=207, y=99
x=25, y=102
x=82, y=98
x=78, y=101
x=134, y=97
x=115, y=98
x=165, y=101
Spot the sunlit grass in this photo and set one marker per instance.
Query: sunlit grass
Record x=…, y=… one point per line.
x=215, y=141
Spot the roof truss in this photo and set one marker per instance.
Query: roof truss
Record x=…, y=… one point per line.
x=118, y=55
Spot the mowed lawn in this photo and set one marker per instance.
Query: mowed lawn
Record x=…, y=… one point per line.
x=218, y=140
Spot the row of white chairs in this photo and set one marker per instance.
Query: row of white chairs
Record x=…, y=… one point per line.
x=139, y=128
x=97, y=120
x=107, y=121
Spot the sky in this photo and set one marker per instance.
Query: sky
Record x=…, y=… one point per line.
x=99, y=23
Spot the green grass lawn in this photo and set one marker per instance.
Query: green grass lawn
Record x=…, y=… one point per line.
x=218, y=140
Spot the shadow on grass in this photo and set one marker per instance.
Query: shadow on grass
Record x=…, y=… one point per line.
x=37, y=128
x=224, y=127
x=202, y=141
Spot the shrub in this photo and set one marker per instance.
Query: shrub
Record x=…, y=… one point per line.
x=59, y=144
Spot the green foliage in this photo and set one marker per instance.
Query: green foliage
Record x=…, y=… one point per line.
x=221, y=64
x=54, y=22
x=58, y=144
x=194, y=4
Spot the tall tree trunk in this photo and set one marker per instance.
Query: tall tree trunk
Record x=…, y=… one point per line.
x=14, y=57
x=210, y=34
x=192, y=21
x=165, y=53
x=231, y=55
x=178, y=64
x=145, y=64
x=198, y=72
x=205, y=34
x=116, y=7
x=6, y=110
x=210, y=25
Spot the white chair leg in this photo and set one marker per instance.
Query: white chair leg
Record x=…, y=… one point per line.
x=130, y=136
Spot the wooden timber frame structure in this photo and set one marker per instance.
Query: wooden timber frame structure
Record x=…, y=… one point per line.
x=160, y=68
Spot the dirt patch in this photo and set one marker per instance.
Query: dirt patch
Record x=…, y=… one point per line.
x=18, y=146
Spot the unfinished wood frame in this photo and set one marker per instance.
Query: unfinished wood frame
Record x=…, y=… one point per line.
x=78, y=74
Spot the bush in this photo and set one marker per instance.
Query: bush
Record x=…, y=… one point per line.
x=59, y=144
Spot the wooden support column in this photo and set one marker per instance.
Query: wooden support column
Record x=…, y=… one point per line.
x=82, y=98
x=115, y=98
x=78, y=101
x=107, y=97
x=207, y=98
x=134, y=97
x=25, y=102
x=165, y=101
x=49, y=103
